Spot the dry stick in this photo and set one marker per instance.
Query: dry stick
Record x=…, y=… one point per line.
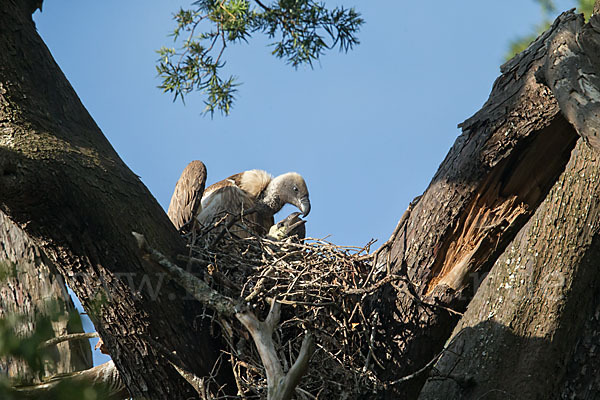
x=71, y=336
x=417, y=373
x=280, y=386
x=372, y=288
x=427, y=366
x=194, y=286
x=411, y=291
x=388, y=242
x=232, y=222
x=236, y=375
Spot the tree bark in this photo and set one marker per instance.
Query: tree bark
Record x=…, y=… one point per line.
x=31, y=289
x=64, y=185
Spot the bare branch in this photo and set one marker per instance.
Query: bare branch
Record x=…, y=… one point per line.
x=102, y=377
x=262, y=335
x=192, y=284
x=71, y=336
x=299, y=368
x=274, y=316
x=280, y=386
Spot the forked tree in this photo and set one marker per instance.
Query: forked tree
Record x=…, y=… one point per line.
x=516, y=197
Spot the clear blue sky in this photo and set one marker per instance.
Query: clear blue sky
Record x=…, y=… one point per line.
x=366, y=129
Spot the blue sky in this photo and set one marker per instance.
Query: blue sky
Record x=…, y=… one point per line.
x=366, y=129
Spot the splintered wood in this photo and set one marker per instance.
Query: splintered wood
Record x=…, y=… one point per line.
x=507, y=197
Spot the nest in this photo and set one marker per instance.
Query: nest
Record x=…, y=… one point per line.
x=324, y=289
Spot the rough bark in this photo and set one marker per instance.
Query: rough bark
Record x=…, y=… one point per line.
x=493, y=179
x=521, y=335
x=32, y=289
x=571, y=72
x=65, y=186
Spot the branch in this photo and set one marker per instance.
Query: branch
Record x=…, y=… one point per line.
x=102, y=377
x=299, y=368
x=192, y=284
x=263, y=6
x=571, y=71
x=71, y=336
x=280, y=386
x=262, y=333
x=419, y=372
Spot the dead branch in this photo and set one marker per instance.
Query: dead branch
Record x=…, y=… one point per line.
x=280, y=386
x=65, y=338
x=194, y=286
x=104, y=377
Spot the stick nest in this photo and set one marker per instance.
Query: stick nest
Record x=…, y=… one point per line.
x=324, y=289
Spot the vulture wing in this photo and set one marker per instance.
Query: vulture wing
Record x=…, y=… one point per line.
x=233, y=196
x=186, y=200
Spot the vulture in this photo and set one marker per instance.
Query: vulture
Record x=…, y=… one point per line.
x=255, y=197
x=186, y=200
x=290, y=227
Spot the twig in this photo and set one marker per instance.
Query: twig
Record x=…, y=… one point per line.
x=71, y=336
x=417, y=373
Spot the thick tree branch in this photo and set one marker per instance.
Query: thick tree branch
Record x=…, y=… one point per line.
x=280, y=386
x=534, y=302
x=492, y=180
x=105, y=378
x=30, y=287
x=64, y=185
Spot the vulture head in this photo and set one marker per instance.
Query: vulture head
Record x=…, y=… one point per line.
x=288, y=188
x=292, y=225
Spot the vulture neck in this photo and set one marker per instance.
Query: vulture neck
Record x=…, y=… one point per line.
x=270, y=199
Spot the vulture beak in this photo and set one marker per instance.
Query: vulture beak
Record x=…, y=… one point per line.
x=304, y=206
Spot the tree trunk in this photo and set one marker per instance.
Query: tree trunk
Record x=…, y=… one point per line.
x=531, y=329
x=31, y=289
x=521, y=336
x=495, y=176
x=64, y=185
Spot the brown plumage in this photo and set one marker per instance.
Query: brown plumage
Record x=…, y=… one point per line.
x=186, y=200
x=255, y=191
